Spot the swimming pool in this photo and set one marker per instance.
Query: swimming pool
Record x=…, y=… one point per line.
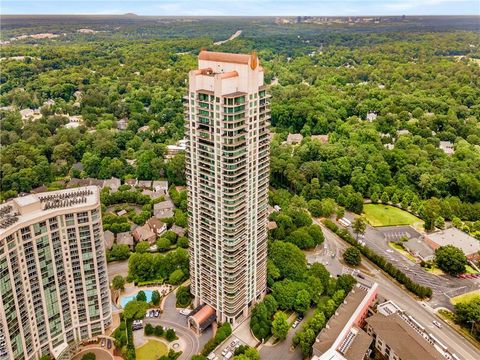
x=126, y=299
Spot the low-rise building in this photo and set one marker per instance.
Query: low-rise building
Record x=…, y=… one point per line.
x=153, y=194
x=180, y=231
x=453, y=236
x=447, y=147
x=164, y=209
x=125, y=238
x=157, y=226
x=293, y=139
x=113, y=184
x=144, y=233
x=145, y=184
x=343, y=337
x=322, y=138
x=122, y=124
x=160, y=185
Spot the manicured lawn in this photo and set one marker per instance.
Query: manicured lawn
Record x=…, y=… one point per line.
x=470, y=270
x=386, y=215
x=465, y=297
x=152, y=350
x=402, y=251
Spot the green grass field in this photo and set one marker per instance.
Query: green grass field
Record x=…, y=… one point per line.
x=386, y=215
x=152, y=350
x=465, y=297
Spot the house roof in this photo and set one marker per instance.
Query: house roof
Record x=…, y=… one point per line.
x=162, y=184
x=167, y=204
x=271, y=225
x=125, y=238
x=402, y=338
x=145, y=183
x=143, y=233
x=418, y=246
x=453, y=236
x=109, y=239
x=155, y=223
x=294, y=138
x=359, y=346
x=178, y=230
x=322, y=138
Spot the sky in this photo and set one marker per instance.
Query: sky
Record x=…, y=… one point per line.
x=243, y=7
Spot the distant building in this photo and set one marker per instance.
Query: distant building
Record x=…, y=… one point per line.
x=74, y=121
x=271, y=225
x=153, y=194
x=179, y=147
x=453, y=236
x=293, y=139
x=322, y=138
x=343, y=337
x=447, y=147
x=371, y=116
x=113, y=184
x=122, y=124
x=30, y=114
x=131, y=182
x=402, y=132
x=144, y=233
x=389, y=146
x=160, y=185
x=145, y=184
x=164, y=209
x=125, y=238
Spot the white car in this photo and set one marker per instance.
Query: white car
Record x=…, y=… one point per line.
x=437, y=324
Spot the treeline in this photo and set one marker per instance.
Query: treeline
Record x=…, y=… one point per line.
x=381, y=262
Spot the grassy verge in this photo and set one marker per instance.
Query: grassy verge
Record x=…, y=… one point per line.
x=465, y=297
x=386, y=215
x=152, y=350
x=402, y=251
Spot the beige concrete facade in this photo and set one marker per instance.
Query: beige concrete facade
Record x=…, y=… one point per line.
x=54, y=289
x=227, y=164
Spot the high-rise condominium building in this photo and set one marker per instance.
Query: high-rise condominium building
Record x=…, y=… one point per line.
x=53, y=275
x=227, y=165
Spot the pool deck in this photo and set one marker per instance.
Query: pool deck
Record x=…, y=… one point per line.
x=132, y=290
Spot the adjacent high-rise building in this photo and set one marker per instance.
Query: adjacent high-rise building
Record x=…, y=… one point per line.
x=53, y=274
x=227, y=165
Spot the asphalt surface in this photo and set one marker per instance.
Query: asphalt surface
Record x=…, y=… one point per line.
x=389, y=289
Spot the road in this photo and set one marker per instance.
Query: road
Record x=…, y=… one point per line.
x=390, y=290
x=117, y=268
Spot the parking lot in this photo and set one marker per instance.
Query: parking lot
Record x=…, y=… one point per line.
x=226, y=351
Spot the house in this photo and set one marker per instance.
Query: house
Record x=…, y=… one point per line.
x=153, y=194
x=131, y=182
x=113, y=184
x=109, y=238
x=179, y=147
x=271, y=225
x=322, y=138
x=164, y=209
x=30, y=114
x=160, y=185
x=144, y=233
x=371, y=116
x=74, y=121
x=343, y=334
x=453, y=236
x=122, y=124
x=125, y=238
x=402, y=132
x=178, y=230
x=144, y=128
x=447, y=147
x=145, y=184
x=389, y=146
x=157, y=226
x=293, y=139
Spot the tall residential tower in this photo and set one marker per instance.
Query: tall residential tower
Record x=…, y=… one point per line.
x=53, y=273
x=227, y=165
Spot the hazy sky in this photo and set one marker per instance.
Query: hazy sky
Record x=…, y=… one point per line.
x=243, y=7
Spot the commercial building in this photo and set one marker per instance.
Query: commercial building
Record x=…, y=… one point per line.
x=227, y=167
x=343, y=336
x=453, y=236
x=53, y=274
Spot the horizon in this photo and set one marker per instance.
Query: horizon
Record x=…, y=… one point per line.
x=244, y=8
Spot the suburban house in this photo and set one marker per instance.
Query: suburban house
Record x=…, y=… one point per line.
x=145, y=184
x=293, y=139
x=109, y=239
x=453, y=236
x=125, y=238
x=144, y=233
x=178, y=230
x=160, y=185
x=164, y=209
x=157, y=226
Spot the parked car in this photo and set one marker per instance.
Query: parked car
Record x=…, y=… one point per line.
x=102, y=343
x=295, y=324
x=109, y=344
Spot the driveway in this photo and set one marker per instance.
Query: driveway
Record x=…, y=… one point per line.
x=117, y=268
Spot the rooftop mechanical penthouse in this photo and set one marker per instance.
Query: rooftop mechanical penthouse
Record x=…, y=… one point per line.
x=53, y=276
x=227, y=118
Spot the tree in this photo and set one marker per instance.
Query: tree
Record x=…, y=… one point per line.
x=142, y=247
x=158, y=331
x=149, y=329
x=359, y=226
x=280, y=325
x=183, y=296
x=170, y=335
x=468, y=314
x=155, y=297
x=135, y=310
x=89, y=356
x=119, y=252
x=163, y=244
x=176, y=277
x=260, y=321
x=289, y=260
x=302, y=302
x=182, y=242
x=315, y=207
x=352, y=256
x=450, y=259
x=340, y=212
x=384, y=198
x=141, y=296
x=118, y=282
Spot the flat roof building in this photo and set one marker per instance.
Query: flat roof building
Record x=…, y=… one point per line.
x=53, y=273
x=453, y=236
